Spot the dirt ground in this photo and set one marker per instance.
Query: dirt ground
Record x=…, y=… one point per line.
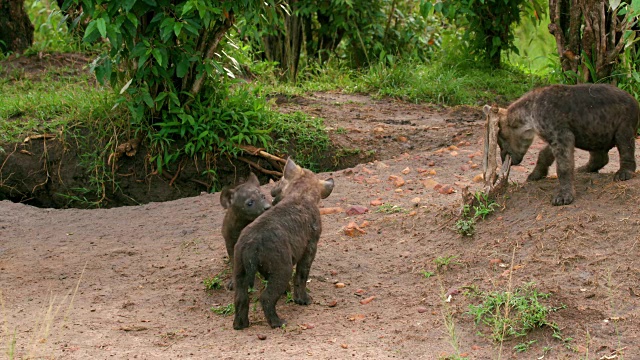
x=127, y=282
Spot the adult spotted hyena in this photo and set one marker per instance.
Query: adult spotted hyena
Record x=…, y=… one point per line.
x=592, y=117
x=282, y=237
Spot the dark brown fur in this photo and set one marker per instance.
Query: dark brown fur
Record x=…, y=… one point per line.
x=592, y=117
x=285, y=236
x=244, y=203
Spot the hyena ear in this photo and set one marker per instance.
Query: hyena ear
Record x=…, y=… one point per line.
x=290, y=169
x=327, y=188
x=253, y=179
x=225, y=197
x=486, y=109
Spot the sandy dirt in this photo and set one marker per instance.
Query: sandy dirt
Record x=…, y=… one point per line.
x=127, y=282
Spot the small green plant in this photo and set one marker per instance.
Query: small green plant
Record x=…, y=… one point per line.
x=485, y=205
x=289, y=297
x=445, y=261
x=466, y=224
x=522, y=347
x=427, y=274
x=341, y=130
x=224, y=310
x=212, y=283
x=513, y=314
x=390, y=209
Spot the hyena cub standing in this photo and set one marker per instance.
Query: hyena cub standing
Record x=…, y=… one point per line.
x=285, y=236
x=244, y=203
x=592, y=117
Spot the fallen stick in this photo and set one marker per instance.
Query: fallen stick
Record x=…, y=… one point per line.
x=259, y=152
x=259, y=168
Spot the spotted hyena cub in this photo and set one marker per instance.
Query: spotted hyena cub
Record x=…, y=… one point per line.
x=592, y=117
x=244, y=203
x=285, y=236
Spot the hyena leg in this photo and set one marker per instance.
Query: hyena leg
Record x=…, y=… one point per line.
x=241, y=300
x=625, y=142
x=563, y=149
x=597, y=160
x=545, y=159
x=277, y=285
x=300, y=295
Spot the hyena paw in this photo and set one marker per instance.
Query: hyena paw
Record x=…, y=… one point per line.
x=240, y=323
x=622, y=175
x=303, y=300
x=562, y=198
x=277, y=322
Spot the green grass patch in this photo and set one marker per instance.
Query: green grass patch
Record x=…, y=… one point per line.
x=50, y=103
x=510, y=314
x=445, y=81
x=224, y=310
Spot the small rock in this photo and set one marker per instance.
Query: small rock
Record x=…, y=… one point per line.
x=402, y=139
x=262, y=336
x=446, y=189
x=422, y=309
x=376, y=202
x=380, y=165
x=344, y=346
x=340, y=285
x=397, y=180
x=356, y=210
x=367, y=300
x=415, y=201
x=478, y=178
x=332, y=303
x=406, y=171
x=413, y=213
x=333, y=272
x=431, y=163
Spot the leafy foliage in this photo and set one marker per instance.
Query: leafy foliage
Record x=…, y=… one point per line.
x=488, y=24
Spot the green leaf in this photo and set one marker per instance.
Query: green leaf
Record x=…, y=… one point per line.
x=88, y=32
x=177, y=28
x=102, y=27
x=146, y=97
x=157, y=55
x=128, y=5
x=183, y=68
